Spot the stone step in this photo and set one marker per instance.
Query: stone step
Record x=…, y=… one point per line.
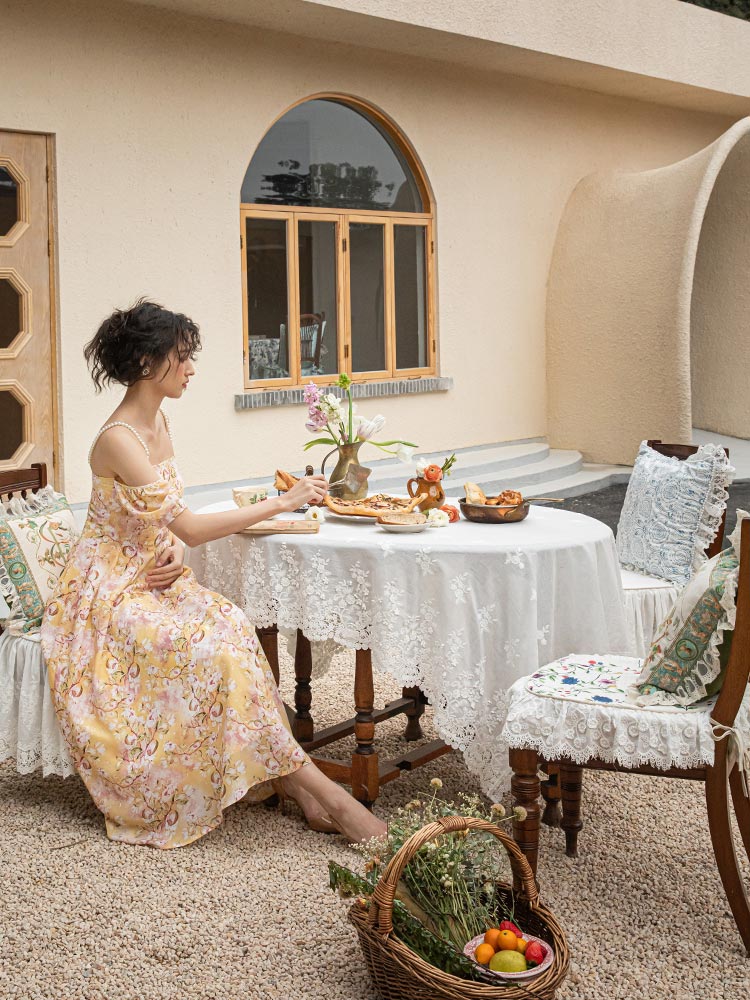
x=555, y=465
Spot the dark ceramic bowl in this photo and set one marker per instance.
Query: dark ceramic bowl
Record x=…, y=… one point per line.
x=490, y=514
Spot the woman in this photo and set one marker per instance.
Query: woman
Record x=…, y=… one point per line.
x=163, y=692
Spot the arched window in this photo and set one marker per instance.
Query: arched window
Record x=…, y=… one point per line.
x=337, y=248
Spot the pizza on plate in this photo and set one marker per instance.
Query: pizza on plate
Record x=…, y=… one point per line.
x=374, y=506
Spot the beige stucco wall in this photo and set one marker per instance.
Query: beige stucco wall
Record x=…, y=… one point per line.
x=720, y=307
x=636, y=253
x=156, y=117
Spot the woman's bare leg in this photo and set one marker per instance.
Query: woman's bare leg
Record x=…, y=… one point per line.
x=355, y=821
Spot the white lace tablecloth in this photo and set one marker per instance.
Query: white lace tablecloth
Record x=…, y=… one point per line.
x=461, y=611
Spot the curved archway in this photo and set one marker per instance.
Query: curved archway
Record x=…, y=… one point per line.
x=646, y=309
x=337, y=237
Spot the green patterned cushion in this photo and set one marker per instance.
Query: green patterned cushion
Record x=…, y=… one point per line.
x=690, y=651
x=35, y=538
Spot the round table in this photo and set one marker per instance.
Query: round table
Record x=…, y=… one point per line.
x=459, y=612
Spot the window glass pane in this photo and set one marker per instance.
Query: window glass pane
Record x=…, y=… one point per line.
x=317, y=297
x=10, y=313
x=366, y=286
x=267, y=300
x=410, y=275
x=8, y=202
x=327, y=154
x=11, y=425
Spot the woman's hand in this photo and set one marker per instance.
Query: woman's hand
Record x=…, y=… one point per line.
x=309, y=489
x=168, y=568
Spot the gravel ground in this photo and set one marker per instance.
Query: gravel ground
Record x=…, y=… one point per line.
x=246, y=912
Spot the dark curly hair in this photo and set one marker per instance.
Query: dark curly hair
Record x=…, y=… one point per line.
x=146, y=330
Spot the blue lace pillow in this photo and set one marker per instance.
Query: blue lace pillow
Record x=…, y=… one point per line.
x=672, y=512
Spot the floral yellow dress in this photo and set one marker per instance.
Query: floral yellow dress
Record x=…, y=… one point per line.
x=165, y=697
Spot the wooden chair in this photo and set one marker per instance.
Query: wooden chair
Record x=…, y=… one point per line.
x=312, y=327
x=23, y=481
x=718, y=777
x=667, y=595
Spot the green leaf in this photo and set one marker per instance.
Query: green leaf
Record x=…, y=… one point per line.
x=315, y=441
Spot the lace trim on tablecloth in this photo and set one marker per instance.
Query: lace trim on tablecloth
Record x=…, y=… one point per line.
x=461, y=629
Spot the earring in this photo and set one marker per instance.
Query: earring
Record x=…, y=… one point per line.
x=146, y=371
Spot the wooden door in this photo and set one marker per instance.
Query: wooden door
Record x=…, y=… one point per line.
x=27, y=357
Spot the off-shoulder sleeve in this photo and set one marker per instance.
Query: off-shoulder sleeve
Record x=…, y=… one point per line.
x=158, y=503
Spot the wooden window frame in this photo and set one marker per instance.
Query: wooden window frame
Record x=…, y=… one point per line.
x=342, y=218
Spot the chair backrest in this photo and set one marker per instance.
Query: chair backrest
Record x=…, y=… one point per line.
x=738, y=668
x=310, y=331
x=23, y=481
x=683, y=451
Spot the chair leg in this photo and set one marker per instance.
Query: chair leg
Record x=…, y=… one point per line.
x=717, y=804
x=551, y=794
x=571, y=783
x=525, y=790
x=741, y=808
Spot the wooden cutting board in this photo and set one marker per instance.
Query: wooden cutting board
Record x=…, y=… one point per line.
x=272, y=527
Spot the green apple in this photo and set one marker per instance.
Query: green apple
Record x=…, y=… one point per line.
x=508, y=961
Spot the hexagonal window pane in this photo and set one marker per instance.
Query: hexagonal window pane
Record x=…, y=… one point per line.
x=10, y=313
x=8, y=201
x=11, y=425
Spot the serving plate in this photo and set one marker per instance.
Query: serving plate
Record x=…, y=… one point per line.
x=535, y=970
x=405, y=529
x=360, y=518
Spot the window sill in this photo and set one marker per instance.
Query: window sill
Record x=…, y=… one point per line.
x=256, y=399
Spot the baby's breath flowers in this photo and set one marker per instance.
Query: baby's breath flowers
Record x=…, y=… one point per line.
x=453, y=883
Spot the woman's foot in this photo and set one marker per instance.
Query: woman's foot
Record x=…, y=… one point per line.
x=317, y=817
x=323, y=799
x=357, y=823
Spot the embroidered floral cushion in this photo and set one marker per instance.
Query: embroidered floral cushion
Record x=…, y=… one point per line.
x=35, y=538
x=691, y=648
x=589, y=680
x=672, y=511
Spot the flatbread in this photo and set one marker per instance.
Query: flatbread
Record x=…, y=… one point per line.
x=474, y=494
x=403, y=517
x=284, y=481
x=374, y=506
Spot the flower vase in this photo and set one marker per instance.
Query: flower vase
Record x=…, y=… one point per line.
x=435, y=493
x=348, y=461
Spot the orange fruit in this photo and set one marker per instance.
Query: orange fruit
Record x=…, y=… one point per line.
x=484, y=953
x=491, y=937
x=507, y=941
x=521, y=945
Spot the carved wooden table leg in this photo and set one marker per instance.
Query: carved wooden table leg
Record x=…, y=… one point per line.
x=525, y=789
x=551, y=794
x=413, y=729
x=269, y=640
x=365, y=774
x=302, y=724
x=571, y=782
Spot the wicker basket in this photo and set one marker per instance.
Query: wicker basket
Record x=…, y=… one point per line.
x=398, y=973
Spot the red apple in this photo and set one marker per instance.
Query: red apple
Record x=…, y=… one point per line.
x=535, y=953
x=508, y=925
